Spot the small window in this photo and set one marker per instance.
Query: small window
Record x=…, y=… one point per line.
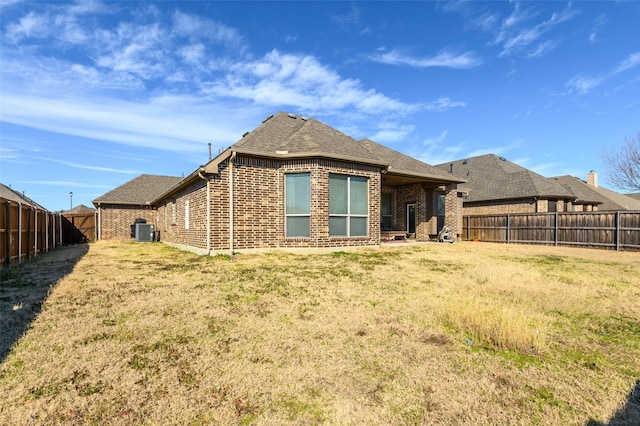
x=387, y=211
x=297, y=189
x=348, y=206
x=174, y=212
x=186, y=214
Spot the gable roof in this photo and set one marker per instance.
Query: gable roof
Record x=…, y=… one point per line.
x=286, y=135
x=80, y=209
x=635, y=195
x=490, y=177
x=10, y=194
x=608, y=200
x=142, y=190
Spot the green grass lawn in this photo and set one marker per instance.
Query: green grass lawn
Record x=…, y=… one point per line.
x=467, y=333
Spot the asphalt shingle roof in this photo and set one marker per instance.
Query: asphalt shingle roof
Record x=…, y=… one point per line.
x=139, y=191
x=12, y=195
x=611, y=200
x=490, y=177
x=286, y=134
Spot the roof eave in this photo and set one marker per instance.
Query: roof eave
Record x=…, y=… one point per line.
x=312, y=154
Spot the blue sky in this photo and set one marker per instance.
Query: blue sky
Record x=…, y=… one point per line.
x=95, y=93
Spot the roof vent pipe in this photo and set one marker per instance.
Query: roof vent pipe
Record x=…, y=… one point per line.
x=209, y=151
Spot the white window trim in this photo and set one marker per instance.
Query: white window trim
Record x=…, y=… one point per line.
x=186, y=214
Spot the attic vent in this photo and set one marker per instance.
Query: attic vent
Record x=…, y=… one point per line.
x=304, y=118
x=292, y=116
x=282, y=152
x=245, y=134
x=268, y=118
x=502, y=158
x=465, y=162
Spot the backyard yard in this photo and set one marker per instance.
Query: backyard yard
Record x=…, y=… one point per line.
x=443, y=334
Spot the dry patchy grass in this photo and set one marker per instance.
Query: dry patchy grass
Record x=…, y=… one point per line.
x=410, y=334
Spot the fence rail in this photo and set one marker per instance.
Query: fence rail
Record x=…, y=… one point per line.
x=619, y=230
x=27, y=231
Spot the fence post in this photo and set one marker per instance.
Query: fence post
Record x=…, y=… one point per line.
x=618, y=230
x=555, y=232
x=19, y=232
x=7, y=228
x=468, y=228
x=507, y=236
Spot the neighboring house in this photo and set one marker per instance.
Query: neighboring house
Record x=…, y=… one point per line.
x=12, y=195
x=498, y=186
x=297, y=183
x=635, y=195
x=590, y=189
x=120, y=207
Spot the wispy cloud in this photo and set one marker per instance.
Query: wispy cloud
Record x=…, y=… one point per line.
x=542, y=48
x=443, y=104
x=444, y=58
x=438, y=139
x=392, y=132
x=583, y=84
x=88, y=167
x=631, y=61
x=514, y=38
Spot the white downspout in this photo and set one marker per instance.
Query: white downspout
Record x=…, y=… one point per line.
x=208, y=225
x=19, y=232
x=233, y=157
x=99, y=230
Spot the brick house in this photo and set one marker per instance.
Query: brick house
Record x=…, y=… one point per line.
x=120, y=207
x=495, y=185
x=606, y=199
x=295, y=182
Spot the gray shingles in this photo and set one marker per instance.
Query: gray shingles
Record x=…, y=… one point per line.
x=611, y=200
x=139, y=191
x=490, y=177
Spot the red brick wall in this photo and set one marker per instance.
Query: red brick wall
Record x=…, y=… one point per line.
x=115, y=220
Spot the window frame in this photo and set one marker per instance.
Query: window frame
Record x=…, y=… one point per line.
x=348, y=216
x=288, y=215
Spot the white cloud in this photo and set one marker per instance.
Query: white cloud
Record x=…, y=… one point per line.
x=437, y=139
x=88, y=167
x=524, y=37
x=303, y=82
x=542, y=48
x=30, y=25
x=583, y=84
x=392, y=132
x=631, y=61
x=443, y=104
x=444, y=58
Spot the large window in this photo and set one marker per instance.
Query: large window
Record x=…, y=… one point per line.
x=348, y=206
x=297, y=204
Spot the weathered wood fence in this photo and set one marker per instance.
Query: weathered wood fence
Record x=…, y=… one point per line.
x=618, y=230
x=26, y=231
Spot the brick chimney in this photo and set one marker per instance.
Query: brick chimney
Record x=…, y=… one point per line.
x=592, y=178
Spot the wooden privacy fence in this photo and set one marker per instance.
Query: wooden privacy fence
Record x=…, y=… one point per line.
x=26, y=231
x=618, y=230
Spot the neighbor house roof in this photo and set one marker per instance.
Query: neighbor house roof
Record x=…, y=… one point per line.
x=608, y=200
x=490, y=177
x=80, y=209
x=635, y=195
x=9, y=194
x=139, y=191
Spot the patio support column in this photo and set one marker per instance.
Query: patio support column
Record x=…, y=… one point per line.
x=452, y=214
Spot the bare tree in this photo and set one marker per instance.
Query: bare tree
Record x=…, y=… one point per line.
x=623, y=164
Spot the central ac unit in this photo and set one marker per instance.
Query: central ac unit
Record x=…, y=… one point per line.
x=144, y=232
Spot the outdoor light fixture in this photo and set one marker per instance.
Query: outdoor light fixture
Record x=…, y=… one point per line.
x=70, y=200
